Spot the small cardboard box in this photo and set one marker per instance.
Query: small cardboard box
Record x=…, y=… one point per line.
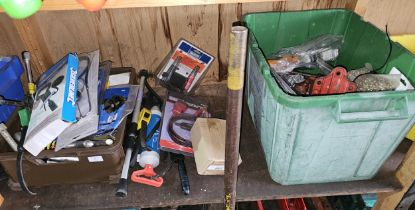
x=208, y=141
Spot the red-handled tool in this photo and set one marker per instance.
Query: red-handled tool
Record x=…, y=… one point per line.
x=191, y=78
x=147, y=176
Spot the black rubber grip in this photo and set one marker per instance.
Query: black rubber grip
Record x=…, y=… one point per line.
x=122, y=188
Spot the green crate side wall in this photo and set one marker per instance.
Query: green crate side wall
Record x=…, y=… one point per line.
x=274, y=133
x=280, y=143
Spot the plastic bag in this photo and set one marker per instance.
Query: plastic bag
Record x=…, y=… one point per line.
x=377, y=82
x=325, y=47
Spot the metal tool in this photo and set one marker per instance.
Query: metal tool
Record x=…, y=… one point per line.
x=11, y=102
x=304, y=88
x=191, y=77
x=7, y=137
x=62, y=159
x=323, y=66
x=90, y=143
x=184, y=179
x=167, y=75
x=335, y=82
x=31, y=85
x=131, y=138
x=284, y=84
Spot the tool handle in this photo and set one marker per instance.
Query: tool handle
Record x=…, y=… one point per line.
x=11, y=102
x=123, y=183
x=122, y=188
x=132, y=136
x=7, y=137
x=395, y=108
x=31, y=85
x=184, y=179
x=189, y=81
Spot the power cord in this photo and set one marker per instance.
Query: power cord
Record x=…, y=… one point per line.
x=19, y=163
x=387, y=58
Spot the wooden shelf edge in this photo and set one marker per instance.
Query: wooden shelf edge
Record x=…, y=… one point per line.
x=254, y=183
x=59, y=5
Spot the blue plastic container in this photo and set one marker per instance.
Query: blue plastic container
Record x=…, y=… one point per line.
x=10, y=85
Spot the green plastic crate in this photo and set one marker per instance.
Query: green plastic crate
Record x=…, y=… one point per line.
x=334, y=137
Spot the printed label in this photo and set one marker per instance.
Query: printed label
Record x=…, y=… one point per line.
x=94, y=159
x=71, y=85
x=216, y=167
x=404, y=84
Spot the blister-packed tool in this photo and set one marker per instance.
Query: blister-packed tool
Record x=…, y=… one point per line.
x=184, y=67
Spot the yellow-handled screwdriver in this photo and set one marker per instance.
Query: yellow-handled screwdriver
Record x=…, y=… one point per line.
x=31, y=85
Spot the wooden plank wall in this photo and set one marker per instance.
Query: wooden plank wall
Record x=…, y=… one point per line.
x=141, y=37
x=398, y=14
x=137, y=37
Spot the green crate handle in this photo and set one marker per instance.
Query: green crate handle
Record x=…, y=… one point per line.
x=397, y=109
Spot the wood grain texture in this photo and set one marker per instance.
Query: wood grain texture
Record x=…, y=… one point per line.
x=107, y=38
x=228, y=13
x=50, y=5
x=328, y=4
x=10, y=43
x=265, y=6
x=143, y=36
x=361, y=7
x=68, y=31
x=80, y=31
x=405, y=174
x=33, y=41
x=199, y=25
x=398, y=14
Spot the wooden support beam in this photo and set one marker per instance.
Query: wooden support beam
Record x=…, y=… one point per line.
x=406, y=175
x=51, y=5
x=34, y=42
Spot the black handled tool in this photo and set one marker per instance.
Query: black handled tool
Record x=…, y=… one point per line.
x=131, y=138
x=184, y=179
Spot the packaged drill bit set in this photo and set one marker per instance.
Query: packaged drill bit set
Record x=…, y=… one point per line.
x=184, y=67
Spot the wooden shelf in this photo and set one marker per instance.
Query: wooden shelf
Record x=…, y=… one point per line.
x=53, y=5
x=254, y=183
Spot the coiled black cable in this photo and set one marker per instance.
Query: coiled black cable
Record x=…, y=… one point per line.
x=387, y=58
x=174, y=135
x=19, y=163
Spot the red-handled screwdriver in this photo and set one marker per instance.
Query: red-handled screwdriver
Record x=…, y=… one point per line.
x=191, y=78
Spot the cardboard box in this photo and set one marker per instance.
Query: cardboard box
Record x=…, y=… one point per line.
x=208, y=141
